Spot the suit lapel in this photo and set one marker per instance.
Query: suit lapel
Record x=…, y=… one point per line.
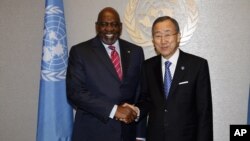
x=158, y=74
x=125, y=57
x=103, y=56
x=180, y=70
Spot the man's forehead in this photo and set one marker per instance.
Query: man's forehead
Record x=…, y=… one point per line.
x=109, y=14
x=162, y=31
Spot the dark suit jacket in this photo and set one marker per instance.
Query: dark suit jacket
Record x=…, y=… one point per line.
x=186, y=115
x=93, y=87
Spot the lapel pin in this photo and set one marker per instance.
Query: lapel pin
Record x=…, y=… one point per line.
x=128, y=51
x=182, y=68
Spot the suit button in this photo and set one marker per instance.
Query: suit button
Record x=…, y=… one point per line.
x=165, y=110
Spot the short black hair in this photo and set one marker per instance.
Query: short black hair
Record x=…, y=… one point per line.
x=164, y=18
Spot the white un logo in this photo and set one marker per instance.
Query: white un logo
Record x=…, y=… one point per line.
x=55, y=55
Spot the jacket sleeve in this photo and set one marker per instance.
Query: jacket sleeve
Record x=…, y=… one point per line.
x=204, y=104
x=141, y=127
x=77, y=89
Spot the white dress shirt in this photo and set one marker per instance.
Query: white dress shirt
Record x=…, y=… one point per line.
x=173, y=59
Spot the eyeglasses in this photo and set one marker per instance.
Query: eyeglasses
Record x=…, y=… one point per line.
x=106, y=24
x=158, y=36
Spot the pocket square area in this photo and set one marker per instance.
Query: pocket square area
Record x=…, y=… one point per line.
x=184, y=82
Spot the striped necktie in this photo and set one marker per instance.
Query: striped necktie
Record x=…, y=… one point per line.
x=116, y=61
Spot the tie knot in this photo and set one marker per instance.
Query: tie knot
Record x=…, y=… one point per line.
x=112, y=47
x=167, y=64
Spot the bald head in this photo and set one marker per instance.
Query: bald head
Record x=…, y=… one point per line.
x=108, y=10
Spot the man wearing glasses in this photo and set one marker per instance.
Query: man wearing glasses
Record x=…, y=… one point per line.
x=176, y=93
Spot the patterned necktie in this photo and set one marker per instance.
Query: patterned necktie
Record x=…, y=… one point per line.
x=167, y=78
x=116, y=61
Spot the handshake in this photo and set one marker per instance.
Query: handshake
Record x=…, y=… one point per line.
x=127, y=113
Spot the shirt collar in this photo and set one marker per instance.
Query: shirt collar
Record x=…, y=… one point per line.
x=173, y=59
x=116, y=45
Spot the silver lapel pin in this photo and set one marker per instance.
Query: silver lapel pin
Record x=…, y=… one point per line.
x=182, y=68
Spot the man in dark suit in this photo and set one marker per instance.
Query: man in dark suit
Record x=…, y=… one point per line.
x=103, y=73
x=176, y=95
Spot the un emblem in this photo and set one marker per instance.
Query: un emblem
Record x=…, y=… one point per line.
x=55, y=55
x=140, y=15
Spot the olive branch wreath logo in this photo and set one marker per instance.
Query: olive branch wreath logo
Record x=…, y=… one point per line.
x=137, y=36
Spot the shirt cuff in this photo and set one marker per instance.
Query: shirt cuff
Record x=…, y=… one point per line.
x=138, y=113
x=112, y=113
x=140, y=139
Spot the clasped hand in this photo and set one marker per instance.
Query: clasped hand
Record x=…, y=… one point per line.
x=126, y=113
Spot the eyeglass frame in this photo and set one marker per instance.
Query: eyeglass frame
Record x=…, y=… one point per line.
x=106, y=24
x=164, y=35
